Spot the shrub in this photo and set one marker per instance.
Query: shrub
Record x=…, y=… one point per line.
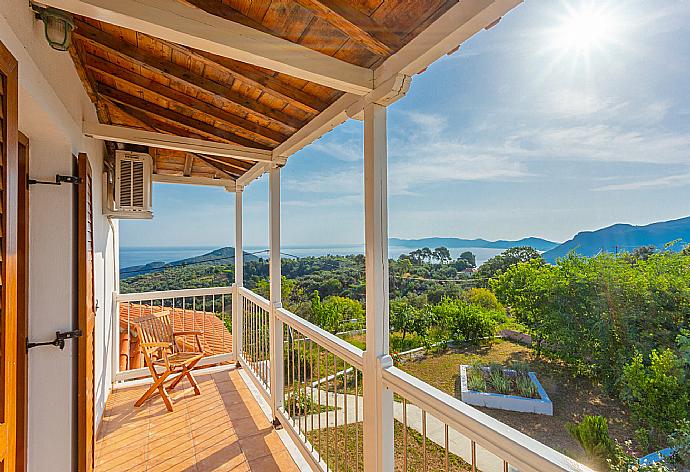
x=462, y=321
x=593, y=435
x=331, y=313
x=299, y=404
x=483, y=297
x=680, y=441
x=656, y=395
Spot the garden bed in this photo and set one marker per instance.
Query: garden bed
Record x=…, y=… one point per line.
x=572, y=394
x=505, y=389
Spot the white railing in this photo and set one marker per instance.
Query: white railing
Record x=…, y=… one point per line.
x=457, y=432
x=322, y=409
x=254, y=312
x=322, y=399
x=208, y=310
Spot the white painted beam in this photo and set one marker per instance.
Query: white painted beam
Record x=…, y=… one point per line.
x=393, y=77
x=121, y=134
x=237, y=318
x=347, y=106
x=462, y=21
x=184, y=24
x=229, y=184
x=274, y=271
x=378, y=398
x=252, y=174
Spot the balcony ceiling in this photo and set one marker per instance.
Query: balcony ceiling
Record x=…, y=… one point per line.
x=138, y=81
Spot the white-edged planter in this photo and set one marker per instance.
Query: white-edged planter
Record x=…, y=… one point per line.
x=541, y=405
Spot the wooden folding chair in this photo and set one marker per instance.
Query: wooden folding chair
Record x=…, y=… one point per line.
x=162, y=348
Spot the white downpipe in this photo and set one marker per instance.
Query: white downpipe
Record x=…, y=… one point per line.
x=275, y=325
x=378, y=398
x=237, y=328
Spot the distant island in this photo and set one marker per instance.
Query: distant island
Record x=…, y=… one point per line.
x=625, y=237
x=614, y=238
x=535, y=243
x=222, y=256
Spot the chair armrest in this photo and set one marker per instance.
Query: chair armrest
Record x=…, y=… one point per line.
x=187, y=333
x=155, y=344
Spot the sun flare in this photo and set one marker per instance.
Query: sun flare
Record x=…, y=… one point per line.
x=586, y=29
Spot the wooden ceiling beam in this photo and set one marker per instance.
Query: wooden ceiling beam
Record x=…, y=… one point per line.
x=358, y=26
x=190, y=26
x=173, y=71
x=77, y=54
x=123, y=134
x=168, y=114
x=215, y=166
x=217, y=170
x=154, y=124
x=263, y=81
x=116, y=72
x=224, y=163
x=188, y=163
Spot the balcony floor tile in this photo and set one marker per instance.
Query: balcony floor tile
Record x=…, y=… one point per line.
x=223, y=429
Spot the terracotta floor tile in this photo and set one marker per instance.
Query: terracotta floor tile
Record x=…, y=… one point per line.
x=224, y=429
x=277, y=463
x=261, y=445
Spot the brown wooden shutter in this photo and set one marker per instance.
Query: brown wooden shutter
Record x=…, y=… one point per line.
x=8, y=257
x=87, y=318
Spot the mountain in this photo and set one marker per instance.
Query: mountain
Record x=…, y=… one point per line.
x=624, y=237
x=222, y=256
x=536, y=243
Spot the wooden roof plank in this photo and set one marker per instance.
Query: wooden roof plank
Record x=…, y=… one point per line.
x=176, y=72
x=265, y=82
x=183, y=24
x=355, y=24
x=150, y=108
x=120, y=73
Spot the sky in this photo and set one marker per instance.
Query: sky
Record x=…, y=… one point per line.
x=567, y=116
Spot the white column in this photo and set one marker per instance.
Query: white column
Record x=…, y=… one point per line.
x=275, y=326
x=378, y=400
x=239, y=277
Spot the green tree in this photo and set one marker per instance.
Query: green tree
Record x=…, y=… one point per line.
x=442, y=255
x=656, y=394
x=331, y=313
x=483, y=297
x=406, y=318
x=500, y=263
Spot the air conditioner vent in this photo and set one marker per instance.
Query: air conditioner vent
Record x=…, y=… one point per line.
x=132, y=185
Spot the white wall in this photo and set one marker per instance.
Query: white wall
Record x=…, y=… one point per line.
x=52, y=106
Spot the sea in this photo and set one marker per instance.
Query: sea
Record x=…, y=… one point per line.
x=134, y=256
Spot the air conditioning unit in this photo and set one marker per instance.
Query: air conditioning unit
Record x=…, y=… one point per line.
x=129, y=190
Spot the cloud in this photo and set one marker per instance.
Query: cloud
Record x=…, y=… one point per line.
x=344, y=181
x=347, y=151
x=600, y=142
x=677, y=180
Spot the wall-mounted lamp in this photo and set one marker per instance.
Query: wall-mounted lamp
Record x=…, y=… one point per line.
x=58, y=26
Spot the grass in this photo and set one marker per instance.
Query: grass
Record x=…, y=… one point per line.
x=397, y=344
x=573, y=396
x=343, y=446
